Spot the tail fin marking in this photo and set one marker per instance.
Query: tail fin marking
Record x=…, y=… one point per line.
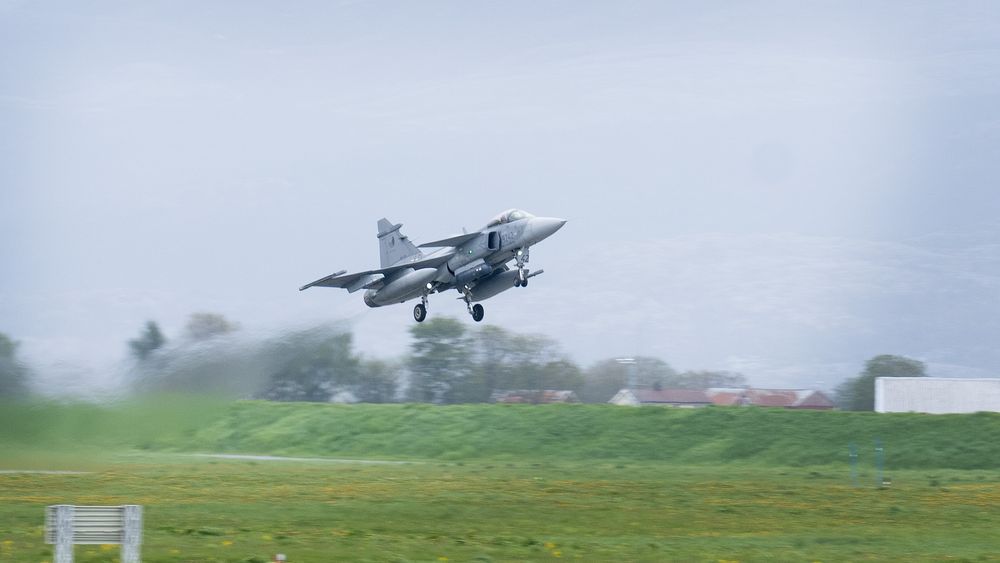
x=393, y=245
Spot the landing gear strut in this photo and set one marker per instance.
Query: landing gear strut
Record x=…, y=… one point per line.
x=476, y=310
x=420, y=310
x=521, y=258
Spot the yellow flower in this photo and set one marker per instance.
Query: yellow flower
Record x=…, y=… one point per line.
x=107, y=547
x=227, y=543
x=266, y=537
x=442, y=558
x=557, y=553
x=549, y=545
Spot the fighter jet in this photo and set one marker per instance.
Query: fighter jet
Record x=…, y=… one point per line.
x=476, y=264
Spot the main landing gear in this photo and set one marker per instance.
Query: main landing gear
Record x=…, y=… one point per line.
x=420, y=310
x=521, y=257
x=476, y=310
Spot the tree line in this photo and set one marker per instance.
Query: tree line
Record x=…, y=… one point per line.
x=447, y=362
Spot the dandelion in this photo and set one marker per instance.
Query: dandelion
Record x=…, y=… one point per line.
x=557, y=553
x=107, y=547
x=266, y=537
x=227, y=543
x=442, y=558
x=549, y=545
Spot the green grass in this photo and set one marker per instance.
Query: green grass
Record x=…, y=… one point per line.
x=766, y=437
x=223, y=510
x=505, y=482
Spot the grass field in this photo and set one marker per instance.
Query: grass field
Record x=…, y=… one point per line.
x=479, y=507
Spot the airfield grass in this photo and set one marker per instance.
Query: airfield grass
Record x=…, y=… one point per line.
x=502, y=484
x=204, y=509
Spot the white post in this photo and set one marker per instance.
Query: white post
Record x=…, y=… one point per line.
x=132, y=534
x=64, y=533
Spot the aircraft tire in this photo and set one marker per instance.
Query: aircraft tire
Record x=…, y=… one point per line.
x=419, y=312
x=478, y=312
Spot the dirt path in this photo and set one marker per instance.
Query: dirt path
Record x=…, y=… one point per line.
x=42, y=472
x=318, y=459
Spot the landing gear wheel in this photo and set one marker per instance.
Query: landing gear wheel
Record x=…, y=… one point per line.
x=419, y=312
x=478, y=312
x=522, y=278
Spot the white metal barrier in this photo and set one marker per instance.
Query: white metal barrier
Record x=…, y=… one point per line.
x=67, y=525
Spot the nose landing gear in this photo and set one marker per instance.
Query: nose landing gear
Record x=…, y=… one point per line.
x=521, y=258
x=521, y=280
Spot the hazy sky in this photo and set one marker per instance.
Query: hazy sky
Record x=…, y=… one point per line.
x=780, y=188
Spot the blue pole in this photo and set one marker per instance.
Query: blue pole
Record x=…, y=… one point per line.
x=879, y=456
x=854, y=463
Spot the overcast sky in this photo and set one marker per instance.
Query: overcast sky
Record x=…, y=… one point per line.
x=780, y=188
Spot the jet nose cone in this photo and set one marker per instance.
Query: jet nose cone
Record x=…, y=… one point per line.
x=543, y=227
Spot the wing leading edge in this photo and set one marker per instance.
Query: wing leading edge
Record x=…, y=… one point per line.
x=457, y=240
x=367, y=279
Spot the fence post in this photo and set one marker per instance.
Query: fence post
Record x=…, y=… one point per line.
x=132, y=534
x=64, y=533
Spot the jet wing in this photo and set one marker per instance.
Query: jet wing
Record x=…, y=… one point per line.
x=457, y=240
x=361, y=279
x=367, y=279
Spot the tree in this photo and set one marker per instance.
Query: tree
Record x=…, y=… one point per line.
x=561, y=374
x=203, y=326
x=505, y=360
x=439, y=361
x=858, y=393
x=150, y=340
x=316, y=367
x=607, y=377
x=13, y=375
x=378, y=381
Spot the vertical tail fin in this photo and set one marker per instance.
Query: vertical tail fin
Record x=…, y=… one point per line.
x=393, y=245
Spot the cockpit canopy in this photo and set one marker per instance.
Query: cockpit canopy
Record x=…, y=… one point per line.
x=509, y=216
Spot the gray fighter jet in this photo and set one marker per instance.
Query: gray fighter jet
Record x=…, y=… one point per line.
x=475, y=264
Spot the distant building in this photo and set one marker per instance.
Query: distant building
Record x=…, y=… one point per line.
x=936, y=395
x=693, y=398
x=534, y=396
x=778, y=398
x=685, y=398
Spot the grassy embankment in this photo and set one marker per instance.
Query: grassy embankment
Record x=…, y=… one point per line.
x=506, y=483
x=509, y=432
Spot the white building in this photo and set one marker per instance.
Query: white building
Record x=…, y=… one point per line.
x=936, y=395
